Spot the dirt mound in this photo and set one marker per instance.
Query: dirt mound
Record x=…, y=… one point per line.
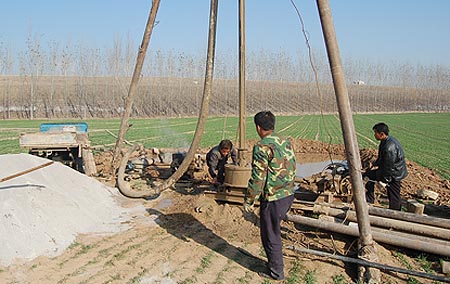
x=42, y=211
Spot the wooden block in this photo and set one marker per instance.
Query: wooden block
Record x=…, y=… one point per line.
x=445, y=267
x=328, y=197
x=415, y=207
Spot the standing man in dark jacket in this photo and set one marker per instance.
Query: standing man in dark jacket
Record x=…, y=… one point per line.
x=217, y=158
x=391, y=167
x=272, y=183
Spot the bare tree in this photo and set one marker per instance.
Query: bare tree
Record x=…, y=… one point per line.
x=33, y=64
x=7, y=61
x=65, y=80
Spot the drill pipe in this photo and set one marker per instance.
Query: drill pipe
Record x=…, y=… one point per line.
x=411, y=217
x=424, y=244
x=392, y=214
x=418, y=229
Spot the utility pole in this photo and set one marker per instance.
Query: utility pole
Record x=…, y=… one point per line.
x=242, y=104
x=367, y=249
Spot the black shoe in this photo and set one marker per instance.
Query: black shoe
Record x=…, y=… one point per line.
x=267, y=276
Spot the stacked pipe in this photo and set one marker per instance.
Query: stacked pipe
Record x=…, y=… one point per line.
x=423, y=233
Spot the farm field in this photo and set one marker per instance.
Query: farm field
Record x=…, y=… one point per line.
x=424, y=136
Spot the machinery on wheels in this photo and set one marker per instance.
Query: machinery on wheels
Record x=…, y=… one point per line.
x=67, y=143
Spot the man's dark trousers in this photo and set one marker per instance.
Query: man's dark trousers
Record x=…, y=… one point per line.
x=393, y=192
x=370, y=186
x=392, y=188
x=271, y=214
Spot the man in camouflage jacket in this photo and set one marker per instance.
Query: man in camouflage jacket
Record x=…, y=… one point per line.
x=272, y=183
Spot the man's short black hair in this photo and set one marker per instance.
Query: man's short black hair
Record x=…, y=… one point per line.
x=265, y=120
x=381, y=128
x=225, y=144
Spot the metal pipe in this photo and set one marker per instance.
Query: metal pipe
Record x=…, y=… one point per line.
x=428, y=240
x=418, y=229
x=423, y=244
x=399, y=215
x=345, y=115
x=392, y=214
x=371, y=264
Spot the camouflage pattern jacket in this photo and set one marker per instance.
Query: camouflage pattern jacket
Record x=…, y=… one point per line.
x=273, y=170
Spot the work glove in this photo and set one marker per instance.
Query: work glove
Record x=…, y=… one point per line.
x=249, y=208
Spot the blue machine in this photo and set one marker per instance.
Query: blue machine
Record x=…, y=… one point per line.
x=78, y=127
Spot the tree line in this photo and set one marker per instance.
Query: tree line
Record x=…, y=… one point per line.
x=65, y=81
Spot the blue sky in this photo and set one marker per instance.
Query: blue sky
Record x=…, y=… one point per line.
x=414, y=32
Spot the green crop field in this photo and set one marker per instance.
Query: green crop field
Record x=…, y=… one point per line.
x=424, y=136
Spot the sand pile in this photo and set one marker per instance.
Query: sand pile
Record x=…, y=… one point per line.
x=42, y=212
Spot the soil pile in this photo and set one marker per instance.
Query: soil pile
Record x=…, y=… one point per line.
x=44, y=210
